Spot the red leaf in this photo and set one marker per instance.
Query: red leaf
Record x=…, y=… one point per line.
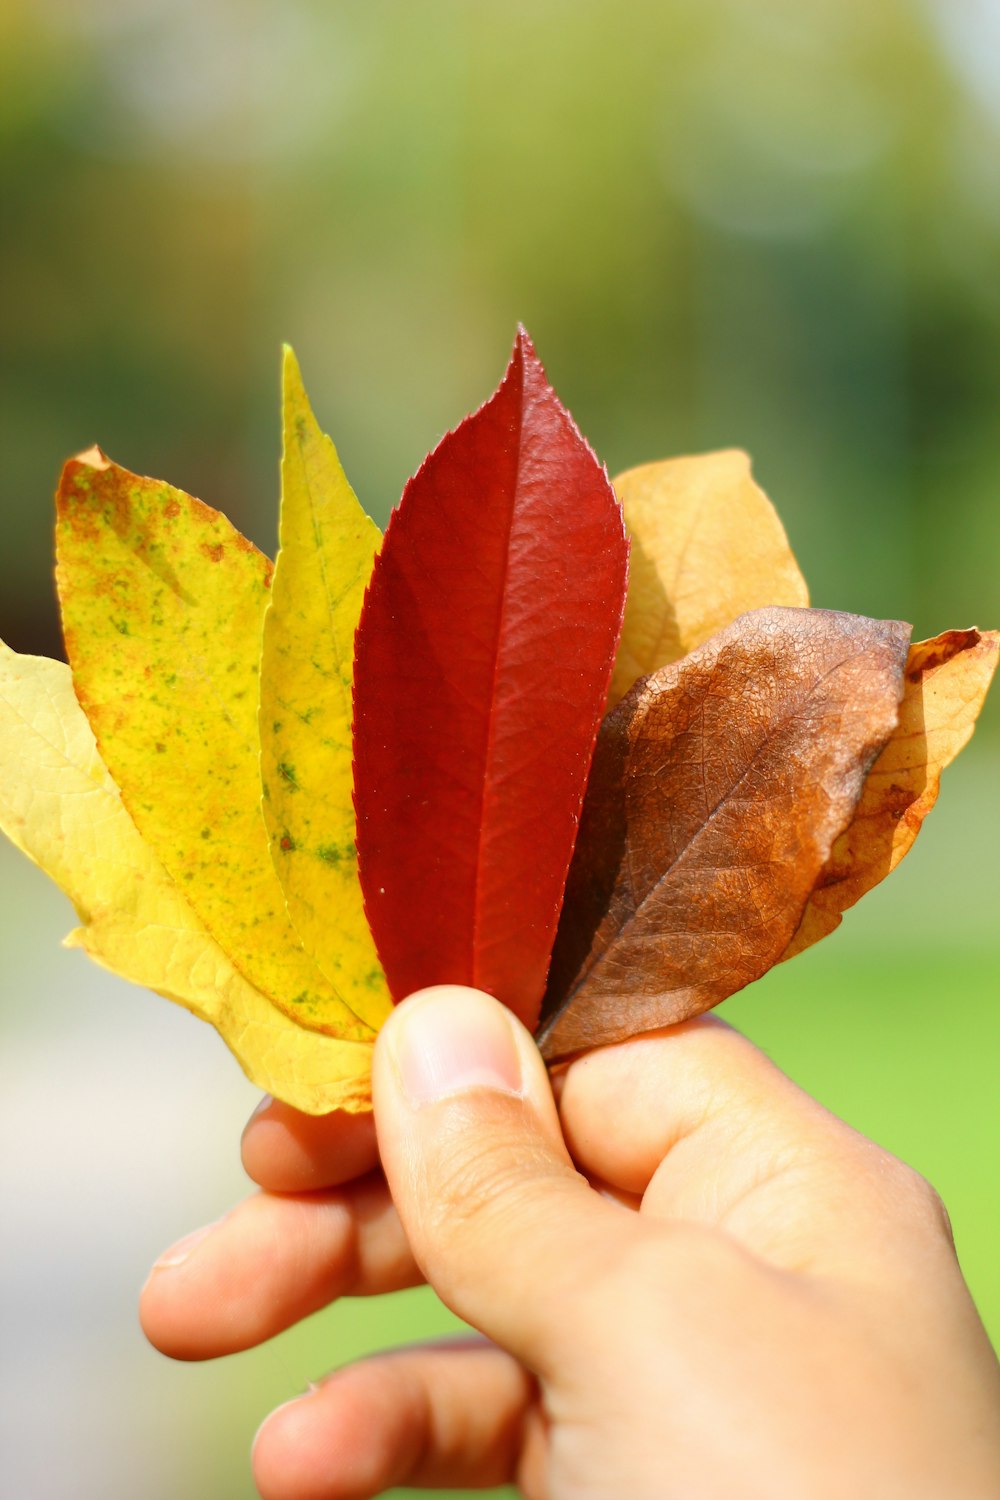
x=483, y=659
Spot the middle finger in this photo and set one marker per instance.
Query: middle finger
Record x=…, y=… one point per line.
x=271, y=1262
x=288, y=1152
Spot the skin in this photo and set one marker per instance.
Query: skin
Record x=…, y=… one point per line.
x=691, y=1281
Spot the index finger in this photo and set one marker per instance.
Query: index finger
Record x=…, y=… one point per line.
x=288, y=1152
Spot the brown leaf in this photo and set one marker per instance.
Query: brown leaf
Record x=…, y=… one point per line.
x=946, y=682
x=718, y=788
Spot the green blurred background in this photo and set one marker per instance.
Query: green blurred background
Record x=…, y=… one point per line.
x=772, y=223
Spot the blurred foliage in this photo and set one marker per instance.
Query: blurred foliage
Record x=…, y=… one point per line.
x=752, y=222
x=725, y=223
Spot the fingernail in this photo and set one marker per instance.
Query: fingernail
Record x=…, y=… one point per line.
x=292, y=1401
x=449, y=1040
x=262, y=1108
x=184, y=1249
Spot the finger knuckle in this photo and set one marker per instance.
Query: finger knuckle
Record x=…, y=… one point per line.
x=920, y=1200
x=479, y=1178
x=931, y=1206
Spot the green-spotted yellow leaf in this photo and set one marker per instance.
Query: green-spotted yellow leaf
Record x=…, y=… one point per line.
x=163, y=605
x=328, y=547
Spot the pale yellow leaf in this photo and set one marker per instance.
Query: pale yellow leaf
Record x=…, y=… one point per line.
x=59, y=805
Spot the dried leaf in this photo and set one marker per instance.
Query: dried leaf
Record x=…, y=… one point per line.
x=328, y=546
x=945, y=684
x=719, y=786
x=60, y=806
x=483, y=660
x=162, y=605
x=707, y=545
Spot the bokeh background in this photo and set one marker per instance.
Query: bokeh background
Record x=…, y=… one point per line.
x=772, y=223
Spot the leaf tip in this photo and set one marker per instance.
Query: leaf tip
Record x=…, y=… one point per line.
x=298, y=418
x=523, y=343
x=73, y=492
x=93, y=458
x=292, y=388
x=525, y=361
x=524, y=356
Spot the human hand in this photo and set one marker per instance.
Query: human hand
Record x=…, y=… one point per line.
x=696, y=1281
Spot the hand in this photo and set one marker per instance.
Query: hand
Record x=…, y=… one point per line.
x=692, y=1281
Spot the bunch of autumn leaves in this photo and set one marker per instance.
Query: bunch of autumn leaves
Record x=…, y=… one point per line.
x=284, y=797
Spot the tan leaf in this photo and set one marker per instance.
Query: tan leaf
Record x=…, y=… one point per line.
x=707, y=545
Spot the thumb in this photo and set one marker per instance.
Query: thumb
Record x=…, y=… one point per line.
x=501, y=1224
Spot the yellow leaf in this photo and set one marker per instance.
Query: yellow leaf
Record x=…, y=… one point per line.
x=328, y=548
x=945, y=684
x=60, y=806
x=163, y=604
x=707, y=545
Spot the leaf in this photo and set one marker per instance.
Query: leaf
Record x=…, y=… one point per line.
x=60, y=806
x=162, y=605
x=482, y=664
x=707, y=545
x=719, y=786
x=328, y=546
x=946, y=682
